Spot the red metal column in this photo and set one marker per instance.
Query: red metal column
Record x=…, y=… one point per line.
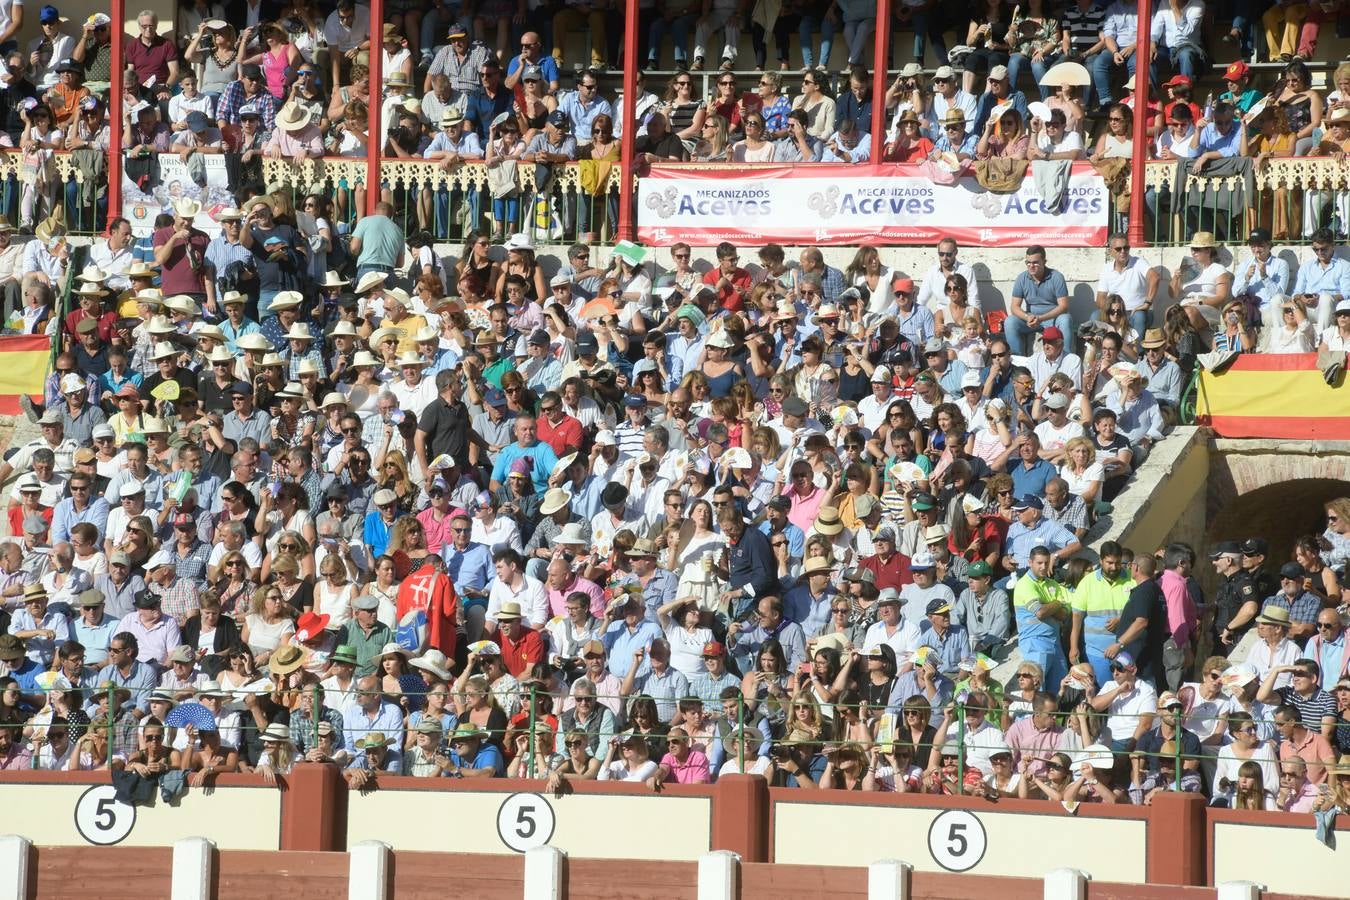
x=1141, y=91
x=627, y=226
x=118, y=33
x=373, y=153
x=880, y=77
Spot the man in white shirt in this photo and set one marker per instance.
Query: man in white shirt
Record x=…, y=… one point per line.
x=1052, y=358
x=112, y=255
x=346, y=30
x=1176, y=25
x=902, y=636
x=1129, y=277
x=1057, y=429
x=933, y=292
x=1128, y=702
x=513, y=584
x=947, y=94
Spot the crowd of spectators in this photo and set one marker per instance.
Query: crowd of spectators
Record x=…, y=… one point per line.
x=738, y=516
x=1034, y=83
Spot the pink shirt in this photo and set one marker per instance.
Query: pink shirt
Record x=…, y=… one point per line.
x=437, y=532
x=804, y=509
x=694, y=769
x=1181, y=616
x=309, y=139
x=557, y=600
x=1025, y=739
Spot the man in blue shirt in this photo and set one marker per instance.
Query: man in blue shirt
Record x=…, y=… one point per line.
x=1033, y=530
x=1323, y=281
x=776, y=523
x=471, y=756
x=490, y=100
x=954, y=137
x=583, y=105
x=468, y=564
x=624, y=637
x=1040, y=297
x=1032, y=473
x=1220, y=139
x=372, y=714
x=808, y=604
x=745, y=642
x=1262, y=274
x=527, y=446
x=78, y=508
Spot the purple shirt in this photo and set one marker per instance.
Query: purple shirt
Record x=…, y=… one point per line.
x=154, y=642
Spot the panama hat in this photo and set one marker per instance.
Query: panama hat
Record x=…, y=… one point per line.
x=292, y=117
x=1274, y=615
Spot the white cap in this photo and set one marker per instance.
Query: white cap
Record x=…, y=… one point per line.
x=605, y=439
x=881, y=373
x=71, y=383
x=161, y=558
x=971, y=379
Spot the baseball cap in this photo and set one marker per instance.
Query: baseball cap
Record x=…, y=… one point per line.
x=1056, y=401
x=937, y=606
x=1028, y=502
x=1292, y=570
x=714, y=648
x=1255, y=546
x=1052, y=333
x=1123, y=659
x=1236, y=69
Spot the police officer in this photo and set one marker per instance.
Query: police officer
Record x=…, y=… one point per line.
x=1237, y=600
x=1254, y=552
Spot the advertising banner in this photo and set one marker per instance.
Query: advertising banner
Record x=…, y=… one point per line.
x=839, y=204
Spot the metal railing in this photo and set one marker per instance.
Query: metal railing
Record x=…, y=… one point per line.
x=1291, y=196
x=747, y=748
x=449, y=203
x=63, y=188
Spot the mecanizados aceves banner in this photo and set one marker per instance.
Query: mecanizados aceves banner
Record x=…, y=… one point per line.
x=841, y=204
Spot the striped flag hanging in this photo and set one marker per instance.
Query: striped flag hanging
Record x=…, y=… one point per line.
x=1274, y=395
x=24, y=364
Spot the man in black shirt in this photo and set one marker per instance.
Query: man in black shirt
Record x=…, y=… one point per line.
x=660, y=144
x=276, y=250
x=1254, y=551
x=751, y=564
x=444, y=425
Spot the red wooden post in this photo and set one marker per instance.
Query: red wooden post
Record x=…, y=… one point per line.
x=627, y=226
x=118, y=35
x=1137, y=161
x=880, y=77
x=375, y=146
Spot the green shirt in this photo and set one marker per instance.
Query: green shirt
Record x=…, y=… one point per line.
x=368, y=647
x=381, y=241
x=493, y=373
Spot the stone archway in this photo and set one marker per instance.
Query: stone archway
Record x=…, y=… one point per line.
x=1280, y=512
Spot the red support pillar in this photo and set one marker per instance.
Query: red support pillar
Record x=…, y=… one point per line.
x=880, y=77
x=374, y=146
x=1141, y=92
x=627, y=226
x=118, y=36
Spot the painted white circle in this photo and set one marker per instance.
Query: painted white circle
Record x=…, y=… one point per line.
x=956, y=840
x=525, y=821
x=101, y=818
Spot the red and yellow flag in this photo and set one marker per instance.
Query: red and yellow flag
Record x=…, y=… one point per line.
x=24, y=362
x=1274, y=395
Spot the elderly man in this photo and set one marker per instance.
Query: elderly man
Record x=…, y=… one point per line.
x=41, y=629
x=295, y=137
x=1032, y=530
x=372, y=714
x=365, y=634
x=155, y=633
x=81, y=506
x=1303, y=605
x=1327, y=648
x=626, y=631
x=528, y=447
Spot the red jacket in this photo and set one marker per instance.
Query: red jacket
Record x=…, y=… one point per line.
x=434, y=593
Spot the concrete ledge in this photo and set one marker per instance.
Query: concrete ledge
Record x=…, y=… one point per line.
x=1161, y=491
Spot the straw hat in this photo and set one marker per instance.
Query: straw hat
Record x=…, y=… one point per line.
x=287, y=659
x=1274, y=615
x=254, y=341
x=554, y=500
x=1203, y=240
x=370, y=281
x=828, y=522
x=333, y=279
x=292, y=117
x=1153, y=337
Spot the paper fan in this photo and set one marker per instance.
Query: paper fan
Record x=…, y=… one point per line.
x=444, y=461
x=194, y=714
x=737, y=458
x=921, y=655
x=485, y=648
x=907, y=473
x=52, y=681
x=165, y=390
x=599, y=308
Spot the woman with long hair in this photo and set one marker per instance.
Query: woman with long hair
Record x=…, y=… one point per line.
x=714, y=143
x=1244, y=747
x=394, y=476
x=866, y=270
x=278, y=753
x=599, y=206
x=697, y=536
x=407, y=545
x=755, y=147
x=1081, y=469
x=684, y=114
x=1052, y=784
x=1004, y=137
x=269, y=625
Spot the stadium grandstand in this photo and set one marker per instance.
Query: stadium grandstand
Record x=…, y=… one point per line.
x=562, y=447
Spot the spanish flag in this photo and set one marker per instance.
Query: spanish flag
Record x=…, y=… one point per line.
x=24, y=364
x=1274, y=395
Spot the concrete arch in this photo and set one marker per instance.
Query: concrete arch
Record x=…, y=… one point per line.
x=1279, y=511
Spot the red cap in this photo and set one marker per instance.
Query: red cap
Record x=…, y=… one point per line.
x=901, y=283
x=1177, y=81
x=713, y=648
x=1051, y=333
x=1237, y=69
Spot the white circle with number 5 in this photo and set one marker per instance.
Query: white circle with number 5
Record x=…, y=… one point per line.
x=101, y=818
x=956, y=840
x=525, y=821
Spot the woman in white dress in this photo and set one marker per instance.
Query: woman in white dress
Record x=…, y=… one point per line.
x=1203, y=283
x=696, y=537
x=334, y=594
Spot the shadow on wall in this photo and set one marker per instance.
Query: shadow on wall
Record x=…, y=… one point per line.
x=1281, y=513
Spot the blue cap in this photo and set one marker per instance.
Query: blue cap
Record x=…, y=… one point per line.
x=241, y=387
x=197, y=121
x=1122, y=659
x=1028, y=502
x=494, y=397
x=559, y=119
x=48, y=14
x=635, y=401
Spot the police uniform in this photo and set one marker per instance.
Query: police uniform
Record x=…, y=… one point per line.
x=1234, y=591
